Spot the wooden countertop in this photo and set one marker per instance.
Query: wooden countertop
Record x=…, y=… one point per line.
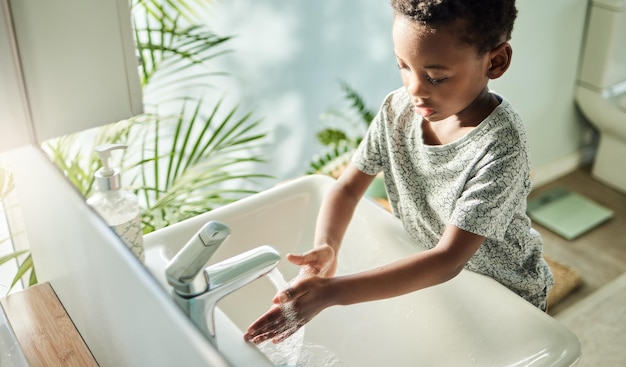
x=44, y=330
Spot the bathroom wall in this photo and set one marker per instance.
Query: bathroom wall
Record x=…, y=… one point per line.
x=288, y=57
x=547, y=42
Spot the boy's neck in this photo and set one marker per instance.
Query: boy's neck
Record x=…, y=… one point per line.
x=455, y=127
x=482, y=106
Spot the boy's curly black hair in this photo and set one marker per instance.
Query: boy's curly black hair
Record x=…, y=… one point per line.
x=484, y=22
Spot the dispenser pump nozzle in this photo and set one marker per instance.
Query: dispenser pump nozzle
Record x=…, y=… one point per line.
x=107, y=177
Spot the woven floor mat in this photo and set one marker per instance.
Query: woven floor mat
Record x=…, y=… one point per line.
x=566, y=280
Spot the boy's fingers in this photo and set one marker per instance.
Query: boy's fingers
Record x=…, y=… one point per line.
x=296, y=259
x=261, y=338
x=303, y=259
x=309, y=257
x=283, y=336
x=271, y=317
x=288, y=294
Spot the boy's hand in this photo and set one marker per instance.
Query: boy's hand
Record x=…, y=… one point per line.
x=292, y=309
x=301, y=301
x=320, y=261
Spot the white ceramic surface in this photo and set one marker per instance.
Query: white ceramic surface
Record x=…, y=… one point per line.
x=11, y=354
x=601, y=90
x=609, y=115
x=469, y=321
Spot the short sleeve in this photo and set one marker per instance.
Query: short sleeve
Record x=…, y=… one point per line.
x=371, y=154
x=492, y=197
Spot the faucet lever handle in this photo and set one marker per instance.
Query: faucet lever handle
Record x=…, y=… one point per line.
x=183, y=269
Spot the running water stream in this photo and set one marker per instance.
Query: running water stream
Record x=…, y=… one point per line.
x=293, y=351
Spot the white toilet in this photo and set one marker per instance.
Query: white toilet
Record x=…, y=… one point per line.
x=601, y=87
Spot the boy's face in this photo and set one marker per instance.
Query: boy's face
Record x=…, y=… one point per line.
x=443, y=76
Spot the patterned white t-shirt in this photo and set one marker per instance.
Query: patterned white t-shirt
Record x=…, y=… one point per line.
x=478, y=183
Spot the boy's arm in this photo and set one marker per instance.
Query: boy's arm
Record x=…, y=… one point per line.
x=332, y=221
x=418, y=271
x=313, y=294
x=338, y=207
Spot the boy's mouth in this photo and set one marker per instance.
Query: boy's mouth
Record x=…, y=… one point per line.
x=424, y=111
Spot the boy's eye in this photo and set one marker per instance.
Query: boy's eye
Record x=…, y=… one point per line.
x=435, y=81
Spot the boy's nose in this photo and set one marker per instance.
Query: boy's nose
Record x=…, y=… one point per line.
x=416, y=87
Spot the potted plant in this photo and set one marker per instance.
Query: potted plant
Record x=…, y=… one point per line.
x=340, y=140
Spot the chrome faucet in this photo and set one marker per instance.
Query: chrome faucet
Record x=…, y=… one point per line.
x=196, y=291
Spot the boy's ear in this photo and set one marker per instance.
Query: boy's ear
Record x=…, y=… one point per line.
x=500, y=60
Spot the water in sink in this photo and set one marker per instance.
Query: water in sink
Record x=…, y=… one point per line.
x=293, y=351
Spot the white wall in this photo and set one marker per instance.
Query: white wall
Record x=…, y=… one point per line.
x=288, y=55
x=287, y=60
x=547, y=42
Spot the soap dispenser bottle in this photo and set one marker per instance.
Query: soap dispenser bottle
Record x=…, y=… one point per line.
x=119, y=208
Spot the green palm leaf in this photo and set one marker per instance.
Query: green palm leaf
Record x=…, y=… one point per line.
x=333, y=158
x=169, y=49
x=357, y=103
x=23, y=268
x=12, y=256
x=205, y=165
x=339, y=144
x=187, y=9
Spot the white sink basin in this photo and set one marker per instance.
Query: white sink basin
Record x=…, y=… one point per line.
x=470, y=320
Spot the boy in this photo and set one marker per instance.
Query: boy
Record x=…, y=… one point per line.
x=456, y=168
